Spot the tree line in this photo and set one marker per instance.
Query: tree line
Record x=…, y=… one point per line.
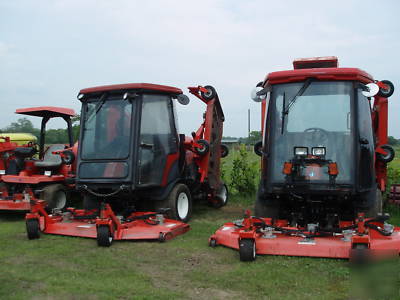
x=53, y=136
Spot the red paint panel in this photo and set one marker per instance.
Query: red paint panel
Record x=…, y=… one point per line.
x=46, y=111
x=319, y=73
x=131, y=86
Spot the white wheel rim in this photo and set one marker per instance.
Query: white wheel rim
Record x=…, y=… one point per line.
x=224, y=194
x=61, y=199
x=182, y=205
x=254, y=249
x=110, y=239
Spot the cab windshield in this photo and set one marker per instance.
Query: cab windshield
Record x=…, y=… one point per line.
x=318, y=116
x=106, y=129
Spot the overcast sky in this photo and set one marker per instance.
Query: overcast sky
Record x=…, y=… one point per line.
x=49, y=50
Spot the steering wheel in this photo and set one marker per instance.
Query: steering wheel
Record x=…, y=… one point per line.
x=317, y=134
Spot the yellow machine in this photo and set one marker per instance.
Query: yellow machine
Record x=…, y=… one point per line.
x=19, y=138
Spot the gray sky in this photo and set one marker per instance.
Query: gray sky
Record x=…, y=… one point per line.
x=49, y=50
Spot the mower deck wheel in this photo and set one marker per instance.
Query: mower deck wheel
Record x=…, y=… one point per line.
x=388, y=91
x=104, y=236
x=203, y=150
x=210, y=94
x=359, y=255
x=32, y=229
x=224, y=150
x=247, y=250
x=212, y=243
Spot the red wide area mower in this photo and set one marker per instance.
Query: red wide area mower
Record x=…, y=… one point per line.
x=324, y=156
x=137, y=175
x=26, y=177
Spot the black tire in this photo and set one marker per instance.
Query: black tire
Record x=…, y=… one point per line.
x=224, y=150
x=205, y=147
x=90, y=202
x=262, y=210
x=221, y=197
x=104, y=236
x=179, y=201
x=247, y=250
x=390, y=154
x=211, y=93
x=55, y=195
x=359, y=255
x=212, y=243
x=32, y=229
x=258, y=148
x=386, y=92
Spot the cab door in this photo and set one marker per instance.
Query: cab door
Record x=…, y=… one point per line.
x=366, y=176
x=158, y=139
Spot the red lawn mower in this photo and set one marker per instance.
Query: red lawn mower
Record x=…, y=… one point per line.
x=26, y=177
x=324, y=156
x=137, y=175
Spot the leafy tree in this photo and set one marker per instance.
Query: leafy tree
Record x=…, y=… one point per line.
x=393, y=141
x=22, y=125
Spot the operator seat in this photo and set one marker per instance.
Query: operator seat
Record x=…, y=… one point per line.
x=50, y=160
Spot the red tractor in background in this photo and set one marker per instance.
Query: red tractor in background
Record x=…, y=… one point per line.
x=26, y=177
x=324, y=154
x=137, y=174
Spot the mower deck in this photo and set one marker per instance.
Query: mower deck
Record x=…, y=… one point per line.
x=17, y=202
x=280, y=239
x=81, y=223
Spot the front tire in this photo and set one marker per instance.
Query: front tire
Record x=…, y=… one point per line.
x=180, y=203
x=55, y=196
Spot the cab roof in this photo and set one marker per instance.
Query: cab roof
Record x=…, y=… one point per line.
x=47, y=111
x=133, y=86
x=320, y=68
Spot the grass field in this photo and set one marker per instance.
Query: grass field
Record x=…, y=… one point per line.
x=55, y=267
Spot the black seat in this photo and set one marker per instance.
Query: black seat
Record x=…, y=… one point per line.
x=50, y=160
x=24, y=152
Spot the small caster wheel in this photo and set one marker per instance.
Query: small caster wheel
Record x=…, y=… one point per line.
x=247, y=250
x=210, y=94
x=205, y=146
x=104, y=236
x=212, y=243
x=388, y=91
x=224, y=151
x=32, y=229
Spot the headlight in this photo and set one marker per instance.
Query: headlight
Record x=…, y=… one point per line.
x=301, y=151
x=318, y=151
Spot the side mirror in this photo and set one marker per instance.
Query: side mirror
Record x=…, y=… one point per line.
x=183, y=99
x=260, y=93
x=370, y=90
x=258, y=148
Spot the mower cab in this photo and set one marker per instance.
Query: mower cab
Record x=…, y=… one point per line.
x=26, y=176
x=324, y=155
x=136, y=173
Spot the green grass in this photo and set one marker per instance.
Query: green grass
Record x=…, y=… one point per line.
x=185, y=267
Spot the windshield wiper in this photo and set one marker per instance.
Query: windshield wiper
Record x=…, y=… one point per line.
x=285, y=110
x=299, y=93
x=102, y=100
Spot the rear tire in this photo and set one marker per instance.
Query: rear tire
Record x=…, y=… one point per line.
x=104, y=236
x=32, y=229
x=55, y=196
x=247, y=250
x=180, y=203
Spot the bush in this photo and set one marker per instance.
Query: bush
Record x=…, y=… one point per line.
x=243, y=174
